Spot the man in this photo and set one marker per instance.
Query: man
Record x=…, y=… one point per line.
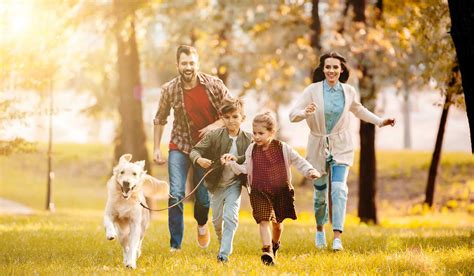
x=195, y=98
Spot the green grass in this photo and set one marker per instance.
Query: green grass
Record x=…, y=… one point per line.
x=409, y=238
x=74, y=243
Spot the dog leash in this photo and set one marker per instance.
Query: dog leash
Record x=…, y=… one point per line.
x=186, y=197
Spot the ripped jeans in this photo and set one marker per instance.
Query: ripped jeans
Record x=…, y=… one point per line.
x=339, y=190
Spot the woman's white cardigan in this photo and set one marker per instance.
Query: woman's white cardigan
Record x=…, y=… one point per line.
x=340, y=141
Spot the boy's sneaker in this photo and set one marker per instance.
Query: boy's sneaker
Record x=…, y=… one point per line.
x=203, y=236
x=221, y=259
x=267, y=256
x=337, y=245
x=174, y=250
x=275, y=247
x=321, y=240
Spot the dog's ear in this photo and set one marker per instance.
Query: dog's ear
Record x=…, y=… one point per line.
x=141, y=163
x=125, y=158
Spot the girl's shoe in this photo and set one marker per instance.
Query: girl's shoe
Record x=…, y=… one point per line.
x=267, y=256
x=337, y=245
x=275, y=247
x=321, y=240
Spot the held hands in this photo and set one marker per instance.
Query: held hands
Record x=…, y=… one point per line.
x=204, y=162
x=314, y=174
x=310, y=109
x=158, y=158
x=225, y=158
x=390, y=121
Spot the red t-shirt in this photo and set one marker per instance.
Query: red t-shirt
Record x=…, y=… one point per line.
x=199, y=109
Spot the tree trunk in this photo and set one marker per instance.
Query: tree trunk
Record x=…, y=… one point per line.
x=223, y=66
x=367, y=164
x=462, y=32
x=130, y=133
x=406, y=114
x=359, y=10
x=315, y=27
x=430, y=186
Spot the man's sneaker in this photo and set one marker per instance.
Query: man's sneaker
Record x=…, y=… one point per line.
x=174, y=250
x=337, y=245
x=267, y=256
x=321, y=240
x=221, y=259
x=203, y=236
x=275, y=247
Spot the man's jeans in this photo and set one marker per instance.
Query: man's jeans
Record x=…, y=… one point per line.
x=178, y=166
x=339, y=191
x=225, y=204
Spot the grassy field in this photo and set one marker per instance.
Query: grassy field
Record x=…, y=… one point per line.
x=74, y=243
x=409, y=238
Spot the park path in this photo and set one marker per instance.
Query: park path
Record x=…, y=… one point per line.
x=8, y=207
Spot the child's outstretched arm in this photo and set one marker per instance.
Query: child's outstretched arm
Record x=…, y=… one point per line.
x=302, y=165
x=242, y=168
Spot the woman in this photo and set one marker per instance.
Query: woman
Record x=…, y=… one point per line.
x=325, y=104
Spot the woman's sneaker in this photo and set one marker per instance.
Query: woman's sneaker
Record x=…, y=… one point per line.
x=337, y=245
x=267, y=256
x=321, y=240
x=221, y=259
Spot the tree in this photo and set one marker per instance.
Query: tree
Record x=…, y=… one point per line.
x=462, y=20
x=130, y=133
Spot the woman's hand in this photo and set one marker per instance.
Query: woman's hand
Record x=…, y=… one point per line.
x=204, y=162
x=227, y=157
x=310, y=109
x=390, y=121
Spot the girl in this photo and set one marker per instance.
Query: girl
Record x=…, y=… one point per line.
x=325, y=106
x=267, y=165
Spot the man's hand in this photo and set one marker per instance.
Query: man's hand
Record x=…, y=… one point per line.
x=387, y=122
x=204, y=162
x=227, y=157
x=310, y=109
x=158, y=158
x=313, y=173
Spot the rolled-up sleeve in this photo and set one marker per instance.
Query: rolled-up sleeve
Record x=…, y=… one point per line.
x=164, y=108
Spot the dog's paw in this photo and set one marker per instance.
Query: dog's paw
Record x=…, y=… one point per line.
x=131, y=264
x=111, y=235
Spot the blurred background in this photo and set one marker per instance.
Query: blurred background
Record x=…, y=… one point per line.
x=80, y=83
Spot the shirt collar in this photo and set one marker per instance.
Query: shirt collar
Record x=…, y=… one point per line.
x=335, y=88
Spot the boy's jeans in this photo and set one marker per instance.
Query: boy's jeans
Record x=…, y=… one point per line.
x=225, y=204
x=178, y=166
x=339, y=191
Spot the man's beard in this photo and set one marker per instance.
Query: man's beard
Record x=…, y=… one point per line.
x=187, y=77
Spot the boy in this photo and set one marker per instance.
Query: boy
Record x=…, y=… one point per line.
x=221, y=145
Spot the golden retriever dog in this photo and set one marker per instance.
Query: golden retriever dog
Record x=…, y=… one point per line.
x=124, y=217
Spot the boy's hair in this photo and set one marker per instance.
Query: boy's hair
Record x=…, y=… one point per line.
x=186, y=49
x=267, y=120
x=231, y=105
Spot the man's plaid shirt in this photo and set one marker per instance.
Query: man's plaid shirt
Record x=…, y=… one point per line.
x=172, y=96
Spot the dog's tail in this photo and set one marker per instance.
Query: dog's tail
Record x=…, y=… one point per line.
x=156, y=189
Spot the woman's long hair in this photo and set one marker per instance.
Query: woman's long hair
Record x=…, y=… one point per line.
x=318, y=74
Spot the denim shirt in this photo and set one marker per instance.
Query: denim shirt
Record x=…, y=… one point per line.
x=333, y=104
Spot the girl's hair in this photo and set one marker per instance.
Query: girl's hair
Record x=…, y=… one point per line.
x=230, y=105
x=318, y=74
x=267, y=120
